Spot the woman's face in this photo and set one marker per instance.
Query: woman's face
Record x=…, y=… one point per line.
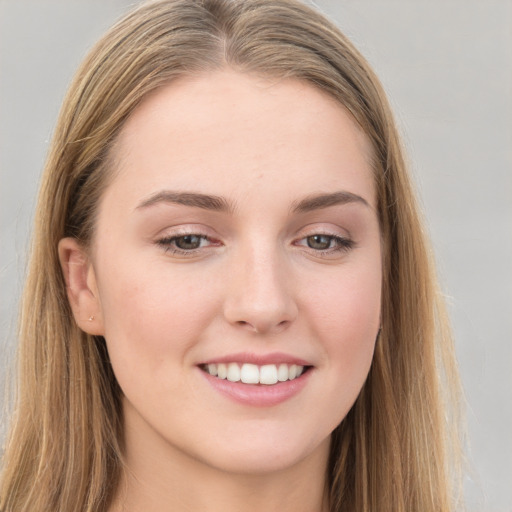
x=239, y=236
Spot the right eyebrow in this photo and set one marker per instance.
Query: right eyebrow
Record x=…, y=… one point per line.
x=319, y=201
x=194, y=199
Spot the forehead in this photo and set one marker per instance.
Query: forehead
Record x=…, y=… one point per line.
x=224, y=129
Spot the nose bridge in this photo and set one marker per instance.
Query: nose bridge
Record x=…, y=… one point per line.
x=259, y=292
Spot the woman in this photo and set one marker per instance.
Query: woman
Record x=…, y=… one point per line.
x=231, y=303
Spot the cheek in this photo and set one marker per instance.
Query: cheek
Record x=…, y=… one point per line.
x=151, y=316
x=347, y=319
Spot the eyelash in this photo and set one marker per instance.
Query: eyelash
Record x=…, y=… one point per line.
x=169, y=244
x=342, y=244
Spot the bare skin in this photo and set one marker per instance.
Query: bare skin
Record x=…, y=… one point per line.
x=239, y=230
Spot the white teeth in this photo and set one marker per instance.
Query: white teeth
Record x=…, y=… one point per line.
x=250, y=374
x=233, y=372
x=222, y=371
x=282, y=372
x=267, y=374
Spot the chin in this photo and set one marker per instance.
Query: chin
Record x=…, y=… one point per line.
x=261, y=455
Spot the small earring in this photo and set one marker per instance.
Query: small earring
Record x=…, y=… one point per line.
x=91, y=318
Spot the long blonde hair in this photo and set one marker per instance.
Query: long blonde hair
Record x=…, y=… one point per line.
x=398, y=448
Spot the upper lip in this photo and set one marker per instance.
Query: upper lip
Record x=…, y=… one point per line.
x=258, y=359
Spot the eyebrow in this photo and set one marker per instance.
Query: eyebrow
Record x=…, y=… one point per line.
x=194, y=199
x=319, y=201
x=220, y=204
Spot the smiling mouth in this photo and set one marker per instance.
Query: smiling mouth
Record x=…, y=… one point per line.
x=247, y=373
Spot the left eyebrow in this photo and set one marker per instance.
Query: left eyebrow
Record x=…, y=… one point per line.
x=193, y=199
x=319, y=201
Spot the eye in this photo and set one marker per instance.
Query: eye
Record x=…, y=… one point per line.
x=189, y=242
x=320, y=242
x=185, y=244
x=324, y=243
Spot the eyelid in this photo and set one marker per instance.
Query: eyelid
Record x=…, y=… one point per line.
x=345, y=242
x=340, y=239
x=184, y=230
x=166, y=239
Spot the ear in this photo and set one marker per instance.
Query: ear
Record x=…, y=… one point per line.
x=81, y=286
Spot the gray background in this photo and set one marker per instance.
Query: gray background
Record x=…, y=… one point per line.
x=447, y=66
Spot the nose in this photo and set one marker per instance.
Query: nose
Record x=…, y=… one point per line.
x=259, y=294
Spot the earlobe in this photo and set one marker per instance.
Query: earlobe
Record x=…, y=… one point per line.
x=81, y=286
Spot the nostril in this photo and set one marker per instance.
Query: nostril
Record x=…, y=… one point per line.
x=262, y=326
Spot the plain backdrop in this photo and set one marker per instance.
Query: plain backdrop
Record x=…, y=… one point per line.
x=447, y=67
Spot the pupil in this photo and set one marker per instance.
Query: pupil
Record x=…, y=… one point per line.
x=188, y=242
x=319, y=241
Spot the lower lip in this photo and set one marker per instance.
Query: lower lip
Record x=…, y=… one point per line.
x=258, y=395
